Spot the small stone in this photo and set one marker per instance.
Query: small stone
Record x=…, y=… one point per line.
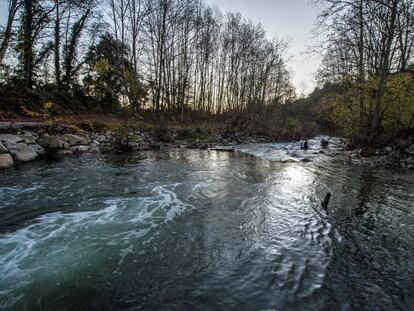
x=66, y=146
x=28, y=139
x=367, y=152
x=39, y=149
x=27, y=133
x=94, y=150
x=64, y=152
x=140, y=146
x=6, y=161
x=101, y=138
x=79, y=149
x=94, y=143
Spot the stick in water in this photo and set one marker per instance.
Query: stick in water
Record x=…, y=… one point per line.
x=326, y=201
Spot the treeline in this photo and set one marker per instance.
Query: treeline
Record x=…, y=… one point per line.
x=174, y=56
x=368, y=56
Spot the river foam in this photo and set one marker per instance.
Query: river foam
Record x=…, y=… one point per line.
x=67, y=239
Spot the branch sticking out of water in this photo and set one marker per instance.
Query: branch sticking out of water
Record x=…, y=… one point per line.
x=325, y=202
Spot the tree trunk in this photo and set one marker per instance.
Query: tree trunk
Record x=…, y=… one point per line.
x=361, y=68
x=57, y=46
x=13, y=7
x=384, y=72
x=28, y=43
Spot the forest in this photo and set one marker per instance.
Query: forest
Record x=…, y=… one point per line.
x=183, y=59
x=164, y=155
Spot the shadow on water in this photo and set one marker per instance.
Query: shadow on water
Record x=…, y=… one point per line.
x=373, y=234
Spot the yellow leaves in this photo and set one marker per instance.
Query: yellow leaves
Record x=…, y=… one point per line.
x=342, y=109
x=102, y=66
x=29, y=113
x=47, y=107
x=45, y=111
x=399, y=102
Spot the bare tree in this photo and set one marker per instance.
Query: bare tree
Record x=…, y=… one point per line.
x=13, y=8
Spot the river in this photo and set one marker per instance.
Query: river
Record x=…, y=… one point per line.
x=205, y=230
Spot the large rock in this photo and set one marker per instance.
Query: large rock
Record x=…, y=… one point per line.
x=51, y=142
x=24, y=153
x=75, y=140
x=6, y=160
x=10, y=138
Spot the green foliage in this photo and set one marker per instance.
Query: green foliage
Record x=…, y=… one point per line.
x=110, y=78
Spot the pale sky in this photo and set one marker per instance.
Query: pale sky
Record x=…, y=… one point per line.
x=283, y=19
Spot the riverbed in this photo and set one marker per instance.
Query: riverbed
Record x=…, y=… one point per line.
x=205, y=230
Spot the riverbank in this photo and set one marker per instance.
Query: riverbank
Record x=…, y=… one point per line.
x=26, y=141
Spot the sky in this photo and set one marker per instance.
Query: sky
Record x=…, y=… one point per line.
x=284, y=19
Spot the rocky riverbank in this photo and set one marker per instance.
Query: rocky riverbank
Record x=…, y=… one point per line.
x=22, y=142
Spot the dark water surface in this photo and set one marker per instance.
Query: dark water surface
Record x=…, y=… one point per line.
x=202, y=230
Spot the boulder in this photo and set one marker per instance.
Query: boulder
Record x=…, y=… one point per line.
x=23, y=153
x=51, y=142
x=75, y=140
x=10, y=138
x=6, y=160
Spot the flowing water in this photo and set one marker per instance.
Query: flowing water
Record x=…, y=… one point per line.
x=205, y=230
